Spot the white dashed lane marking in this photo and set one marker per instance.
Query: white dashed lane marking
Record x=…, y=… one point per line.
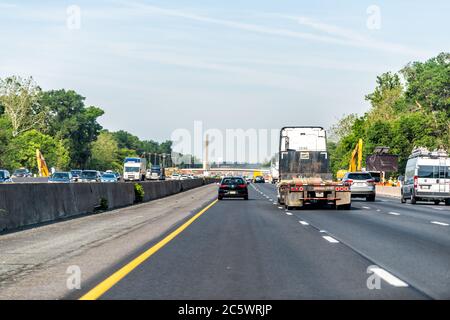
x=364, y=207
x=330, y=239
x=289, y=214
x=304, y=223
x=394, y=213
x=440, y=223
x=389, y=278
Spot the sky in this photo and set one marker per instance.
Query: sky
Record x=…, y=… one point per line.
x=156, y=67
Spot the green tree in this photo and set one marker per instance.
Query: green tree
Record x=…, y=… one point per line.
x=402, y=117
x=429, y=83
x=343, y=127
x=70, y=120
x=21, y=151
x=105, y=153
x=126, y=140
x=19, y=99
x=5, y=137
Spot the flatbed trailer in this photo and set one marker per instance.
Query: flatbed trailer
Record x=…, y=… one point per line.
x=296, y=195
x=304, y=171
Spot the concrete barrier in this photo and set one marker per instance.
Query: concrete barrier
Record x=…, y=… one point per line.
x=388, y=191
x=28, y=204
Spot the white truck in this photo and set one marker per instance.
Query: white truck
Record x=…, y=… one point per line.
x=304, y=171
x=134, y=169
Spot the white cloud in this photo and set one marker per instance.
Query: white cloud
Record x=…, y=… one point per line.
x=335, y=34
x=358, y=39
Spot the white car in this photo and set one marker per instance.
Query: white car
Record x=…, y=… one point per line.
x=175, y=176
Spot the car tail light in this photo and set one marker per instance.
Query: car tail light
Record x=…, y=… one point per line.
x=223, y=186
x=371, y=181
x=242, y=186
x=416, y=182
x=348, y=181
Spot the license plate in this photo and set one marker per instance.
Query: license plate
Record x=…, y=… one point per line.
x=233, y=192
x=319, y=194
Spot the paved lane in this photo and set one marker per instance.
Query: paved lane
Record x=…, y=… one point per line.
x=254, y=250
x=402, y=238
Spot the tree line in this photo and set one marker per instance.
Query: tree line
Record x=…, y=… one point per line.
x=408, y=109
x=65, y=130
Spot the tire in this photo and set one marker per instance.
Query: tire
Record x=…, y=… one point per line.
x=447, y=202
x=219, y=198
x=413, y=199
x=246, y=198
x=402, y=199
x=436, y=202
x=370, y=198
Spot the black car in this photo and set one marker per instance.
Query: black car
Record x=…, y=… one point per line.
x=76, y=174
x=260, y=179
x=233, y=187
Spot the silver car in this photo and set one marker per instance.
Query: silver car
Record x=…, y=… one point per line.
x=362, y=185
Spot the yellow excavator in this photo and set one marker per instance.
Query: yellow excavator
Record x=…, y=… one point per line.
x=42, y=165
x=355, y=160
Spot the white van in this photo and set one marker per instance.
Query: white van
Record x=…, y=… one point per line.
x=427, y=177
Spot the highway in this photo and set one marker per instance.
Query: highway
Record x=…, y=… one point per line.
x=236, y=249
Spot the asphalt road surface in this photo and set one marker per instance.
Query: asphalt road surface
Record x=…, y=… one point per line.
x=256, y=249
x=173, y=248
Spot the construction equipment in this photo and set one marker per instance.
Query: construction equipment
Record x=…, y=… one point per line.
x=356, y=158
x=304, y=171
x=42, y=165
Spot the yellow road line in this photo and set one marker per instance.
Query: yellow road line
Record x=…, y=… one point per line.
x=106, y=284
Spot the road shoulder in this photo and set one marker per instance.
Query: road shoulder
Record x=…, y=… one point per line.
x=37, y=263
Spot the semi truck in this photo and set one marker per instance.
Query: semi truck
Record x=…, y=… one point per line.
x=134, y=169
x=155, y=173
x=304, y=174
